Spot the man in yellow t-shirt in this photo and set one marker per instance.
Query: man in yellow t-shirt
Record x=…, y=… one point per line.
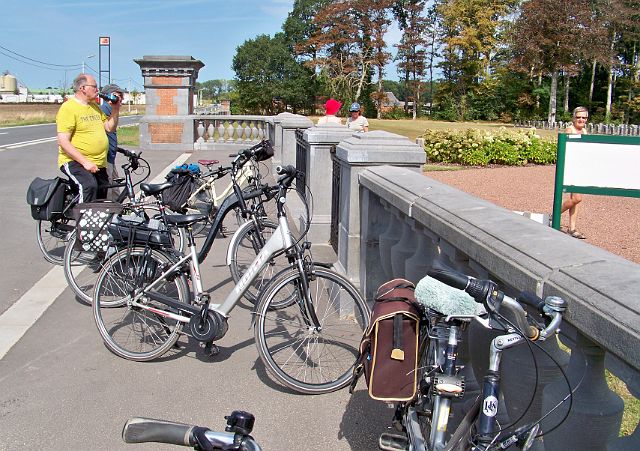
x=82, y=138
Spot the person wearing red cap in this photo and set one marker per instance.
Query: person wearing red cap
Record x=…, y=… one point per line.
x=331, y=108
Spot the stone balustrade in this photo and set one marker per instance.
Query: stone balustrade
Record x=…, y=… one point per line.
x=591, y=128
x=407, y=221
x=213, y=130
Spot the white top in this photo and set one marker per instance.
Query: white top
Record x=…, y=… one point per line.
x=357, y=125
x=329, y=120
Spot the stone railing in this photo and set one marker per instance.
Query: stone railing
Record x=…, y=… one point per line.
x=212, y=130
x=404, y=221
x=592, y=129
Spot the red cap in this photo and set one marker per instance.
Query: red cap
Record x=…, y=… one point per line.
x=332, y=106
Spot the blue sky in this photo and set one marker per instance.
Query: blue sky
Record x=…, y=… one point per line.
x=66, y=32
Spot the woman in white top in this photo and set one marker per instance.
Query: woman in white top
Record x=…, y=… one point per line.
x=356, y=121
x=331, y=108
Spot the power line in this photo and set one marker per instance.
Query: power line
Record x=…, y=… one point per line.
x=37, y=65
x=68, y=66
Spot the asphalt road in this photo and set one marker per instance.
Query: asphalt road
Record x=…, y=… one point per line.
x=61, y=389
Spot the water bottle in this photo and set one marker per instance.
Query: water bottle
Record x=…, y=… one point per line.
x=111, y=97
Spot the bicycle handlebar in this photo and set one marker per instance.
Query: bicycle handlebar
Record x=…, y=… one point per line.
x=131, y=155
x=143, y=430
x=486, y=292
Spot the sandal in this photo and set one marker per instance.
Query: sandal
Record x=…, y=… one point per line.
x=577, y=235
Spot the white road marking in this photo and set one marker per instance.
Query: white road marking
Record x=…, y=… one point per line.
x=27, y=143
x=17, y=320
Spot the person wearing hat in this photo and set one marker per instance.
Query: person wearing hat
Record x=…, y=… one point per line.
x=331, y=108
x=356, y=121
x=112, y=169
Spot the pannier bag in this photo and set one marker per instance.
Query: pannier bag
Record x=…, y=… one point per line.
x=183, y=186
x=92, y=234
x=389, y=347
x=132, y=229
x=46, y=197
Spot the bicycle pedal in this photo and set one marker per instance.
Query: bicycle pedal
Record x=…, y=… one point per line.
x=392, y=442
x=211, y=349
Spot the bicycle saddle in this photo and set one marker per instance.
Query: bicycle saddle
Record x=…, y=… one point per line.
x=150, y=189
x=183, y=220
x=208, y=162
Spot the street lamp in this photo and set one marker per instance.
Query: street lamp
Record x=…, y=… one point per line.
x=86, y=58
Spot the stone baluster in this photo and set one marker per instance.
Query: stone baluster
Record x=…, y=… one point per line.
x=210, y=132
x=200, y=131
x=389, y=238
x=596, y=411
x=221, y=130
x=426, y=251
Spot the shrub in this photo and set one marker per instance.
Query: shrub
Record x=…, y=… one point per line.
x=394, y=113
x=477, y=148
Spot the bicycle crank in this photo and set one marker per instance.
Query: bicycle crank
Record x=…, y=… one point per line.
x=210, y=327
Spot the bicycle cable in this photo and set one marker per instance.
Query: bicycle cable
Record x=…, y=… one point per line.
x=564, y=376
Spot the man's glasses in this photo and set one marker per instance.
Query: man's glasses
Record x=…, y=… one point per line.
x=93, y=86
x=582, y=117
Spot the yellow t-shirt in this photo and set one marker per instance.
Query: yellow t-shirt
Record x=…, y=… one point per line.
x=86, y=125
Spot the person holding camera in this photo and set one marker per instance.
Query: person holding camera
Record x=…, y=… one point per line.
x=110, y=93
x=82, y=138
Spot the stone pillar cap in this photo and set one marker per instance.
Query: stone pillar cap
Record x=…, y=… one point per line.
x=327, y=133
x=380, y=147
x=296, y=121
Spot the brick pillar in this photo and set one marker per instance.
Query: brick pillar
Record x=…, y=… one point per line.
x=169, y=83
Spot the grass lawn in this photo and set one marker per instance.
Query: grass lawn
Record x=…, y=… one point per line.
x=129, y=136
x=413, y=129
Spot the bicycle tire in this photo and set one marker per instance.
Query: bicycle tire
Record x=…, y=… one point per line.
x=128, y=331
x=52, y=237
x=81, y=268
x=285, y=330
x=243, y=250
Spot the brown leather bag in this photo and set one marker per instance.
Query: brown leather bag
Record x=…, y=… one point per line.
x=389, y=347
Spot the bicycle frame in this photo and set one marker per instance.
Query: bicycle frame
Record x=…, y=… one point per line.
x=243, y=177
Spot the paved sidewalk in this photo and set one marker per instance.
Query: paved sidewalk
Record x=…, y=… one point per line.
x=59, y=385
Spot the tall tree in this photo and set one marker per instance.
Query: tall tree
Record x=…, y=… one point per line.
x=547, y=37
x=349, y=44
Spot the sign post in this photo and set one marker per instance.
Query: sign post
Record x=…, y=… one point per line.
x=104, y=42
x=596, y=164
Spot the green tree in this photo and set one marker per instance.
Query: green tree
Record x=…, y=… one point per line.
x=268, y=77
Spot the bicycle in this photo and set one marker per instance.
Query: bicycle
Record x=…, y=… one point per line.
x=53, y=236
x=237, y=434
x=319, y=328
x=424, y=420
x=205, y=199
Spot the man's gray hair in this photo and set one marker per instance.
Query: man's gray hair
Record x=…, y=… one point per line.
x=79, y=82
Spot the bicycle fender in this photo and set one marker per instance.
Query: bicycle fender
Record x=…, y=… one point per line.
x=236, y=237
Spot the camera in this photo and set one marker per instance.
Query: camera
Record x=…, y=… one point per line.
x=111, y=97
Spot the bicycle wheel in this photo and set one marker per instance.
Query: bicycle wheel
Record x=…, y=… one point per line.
x=81, y=269
x=243, y=250
x=52, y=238
x=131, y=331
x=303, y=358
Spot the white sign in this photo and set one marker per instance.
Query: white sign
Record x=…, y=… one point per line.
x=601, y=165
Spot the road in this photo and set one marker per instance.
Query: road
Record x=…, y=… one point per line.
x=60, y=388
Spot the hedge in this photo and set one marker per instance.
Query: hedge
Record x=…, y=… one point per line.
x=480, y=148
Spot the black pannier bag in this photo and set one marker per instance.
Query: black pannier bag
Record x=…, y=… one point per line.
x=46, y=197
x=131, y=229
x=184, y=185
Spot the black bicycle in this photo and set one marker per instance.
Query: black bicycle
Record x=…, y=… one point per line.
x=54, y=235
x=445, y=313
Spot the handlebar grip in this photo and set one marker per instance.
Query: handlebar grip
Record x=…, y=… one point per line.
x=530, y=299
x=252, y=194
x=142, y=430
x=452, y=278
x=286, y=170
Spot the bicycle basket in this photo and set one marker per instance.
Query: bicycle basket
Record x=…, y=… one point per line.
x=133, y=229
x=91, y=225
